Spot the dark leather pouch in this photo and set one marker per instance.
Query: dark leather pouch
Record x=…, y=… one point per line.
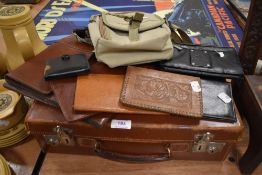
x=204, y=61
x=66, y=66
x=213, y=106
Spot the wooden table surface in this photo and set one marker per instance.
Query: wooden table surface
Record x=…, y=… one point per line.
x=61, y=164
x=22, y=157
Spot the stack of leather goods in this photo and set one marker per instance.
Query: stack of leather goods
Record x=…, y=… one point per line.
x=110, y=113
x=13, y=109
x=4, y=168
x=122, y=39
x=143, y=90
x=134, y=113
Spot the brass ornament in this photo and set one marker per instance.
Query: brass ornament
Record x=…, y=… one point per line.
x=4, y=168
x=8, y=102
x=11, y=10
x=13, y=108
x=14, y=135
x=5, y=101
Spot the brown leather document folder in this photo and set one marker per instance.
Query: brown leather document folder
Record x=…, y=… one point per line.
x=64, y=91
x=28, y=79
x=161, y=91
x=101, y=93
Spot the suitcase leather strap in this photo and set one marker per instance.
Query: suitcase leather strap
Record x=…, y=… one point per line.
x=129, y=157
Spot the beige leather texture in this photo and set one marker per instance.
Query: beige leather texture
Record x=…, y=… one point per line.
x=112, y=34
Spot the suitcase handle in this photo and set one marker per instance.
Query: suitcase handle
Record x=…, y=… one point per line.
x=132, y=158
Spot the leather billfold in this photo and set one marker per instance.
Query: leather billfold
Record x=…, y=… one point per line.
x=161, y=91
x=204, y=61
x=66, y=66
x=213, y=106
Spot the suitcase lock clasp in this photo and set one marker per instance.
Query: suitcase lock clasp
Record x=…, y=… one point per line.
x=203, y=143
x=62, y=137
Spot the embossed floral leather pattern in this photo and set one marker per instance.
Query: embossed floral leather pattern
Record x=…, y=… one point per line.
x=168, y=92
x=161, y=91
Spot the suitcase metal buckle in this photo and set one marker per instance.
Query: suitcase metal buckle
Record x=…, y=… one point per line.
x=202, y=143
x=63, y=137
x=168, y=150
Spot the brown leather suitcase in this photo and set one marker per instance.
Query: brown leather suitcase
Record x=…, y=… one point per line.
x=133, y=137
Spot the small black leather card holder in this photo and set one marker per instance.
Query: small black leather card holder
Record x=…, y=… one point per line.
x=66, y=66
x=213, y=107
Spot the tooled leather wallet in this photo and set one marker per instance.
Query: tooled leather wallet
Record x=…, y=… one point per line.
x=162, y=91
x=204, y=61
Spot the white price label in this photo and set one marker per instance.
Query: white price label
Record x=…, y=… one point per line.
x=221, y=54
x=121, y=124
x=195, y=86
x=224, y=97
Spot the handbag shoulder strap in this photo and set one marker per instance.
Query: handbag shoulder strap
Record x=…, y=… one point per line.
x=82, y=35
x=178, y=35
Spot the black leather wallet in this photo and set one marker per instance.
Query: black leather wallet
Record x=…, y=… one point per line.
x=204, y=61
x=213, y=106
x=66, y=66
